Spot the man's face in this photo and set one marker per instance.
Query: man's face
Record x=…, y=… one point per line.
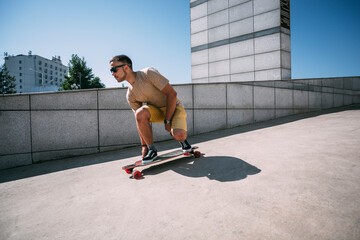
x=118, y=71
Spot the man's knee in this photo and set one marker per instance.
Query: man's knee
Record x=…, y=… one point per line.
x=142, y=114
x=179, y=134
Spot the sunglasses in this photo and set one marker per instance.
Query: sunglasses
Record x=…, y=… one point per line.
x=114, y=69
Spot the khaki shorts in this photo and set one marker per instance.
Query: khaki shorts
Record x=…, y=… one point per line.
x=158, y=115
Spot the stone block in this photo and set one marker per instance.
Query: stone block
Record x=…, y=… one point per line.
x=285, y=60
x=223, y=78
x=283, y=98
x=271, y=74
x=240, y=11
x=199, y=11
x=242, y=27
x=243, y=77
x=338, y=100
x=242, y=64
x=113, y=99
x=210, y=96
x=56, y=130
x=314, y=100
x=239, y=96
x=69, y=100
x=267, y=43
x=242, y=48
x=219, y=68
x=17, y=102
x=208, y=120
x=285, y=42
x=285, y=74
x=16, y=160
x=117, y=127
x=199, y=25
x=301, y=99
x=283, y=112
x=219, y=53
x=200, y=57
x=236, y=2
x=218, y=18
x=200, y=71
x=238, y=117
x=267, y=20
x=219, y=33
x=261, y=115
x=264, y=97
x=215, y=6
x=327, y=100
x=185, y=94
x=64, y=153
x=261, y=6
x=15, y=132
x=199, y=38
x=267, y=61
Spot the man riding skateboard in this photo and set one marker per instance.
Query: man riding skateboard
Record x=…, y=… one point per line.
x=152, y=100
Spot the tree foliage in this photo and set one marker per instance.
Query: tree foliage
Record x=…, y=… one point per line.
x=80, y=76
x=7, y=82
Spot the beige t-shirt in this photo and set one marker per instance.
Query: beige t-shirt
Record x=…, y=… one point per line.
x=147, y=89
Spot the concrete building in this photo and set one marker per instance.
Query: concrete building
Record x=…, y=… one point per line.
x=240, y=40
x=35, y=73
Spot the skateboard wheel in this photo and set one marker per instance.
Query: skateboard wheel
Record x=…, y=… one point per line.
x=129, y=170
x=197, y=154
x=137, y=174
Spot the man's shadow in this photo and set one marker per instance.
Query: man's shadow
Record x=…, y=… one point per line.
x=220, y=168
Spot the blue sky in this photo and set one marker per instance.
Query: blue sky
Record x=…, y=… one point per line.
x=325, y=34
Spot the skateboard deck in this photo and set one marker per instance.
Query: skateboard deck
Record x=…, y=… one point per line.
x=137, y=174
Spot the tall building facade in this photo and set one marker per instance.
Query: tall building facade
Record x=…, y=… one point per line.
x=35, y=73
x=240, y=40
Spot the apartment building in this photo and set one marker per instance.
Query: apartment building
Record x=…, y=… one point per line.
x=34, y=73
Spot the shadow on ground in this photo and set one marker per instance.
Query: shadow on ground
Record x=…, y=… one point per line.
x=219, y=168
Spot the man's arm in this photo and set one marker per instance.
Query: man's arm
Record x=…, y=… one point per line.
x=171, y=95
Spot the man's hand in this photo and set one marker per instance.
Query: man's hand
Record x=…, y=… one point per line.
x=168, y=127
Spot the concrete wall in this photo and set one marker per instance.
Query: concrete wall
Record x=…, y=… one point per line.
x=41, y=127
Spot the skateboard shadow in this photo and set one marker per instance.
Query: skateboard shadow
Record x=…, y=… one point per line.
x=219, y=168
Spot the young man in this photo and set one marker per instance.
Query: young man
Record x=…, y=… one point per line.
x=152, y=99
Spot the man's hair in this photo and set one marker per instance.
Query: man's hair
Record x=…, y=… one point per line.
x=122, y=58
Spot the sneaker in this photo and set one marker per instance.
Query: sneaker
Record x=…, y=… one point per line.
x=150, y=157
x=186, y=147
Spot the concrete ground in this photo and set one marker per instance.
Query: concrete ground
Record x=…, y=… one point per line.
x=292, y=178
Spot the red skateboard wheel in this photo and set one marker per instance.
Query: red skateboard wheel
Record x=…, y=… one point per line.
x=197, y=154
x=137, y=174
x=129, y=170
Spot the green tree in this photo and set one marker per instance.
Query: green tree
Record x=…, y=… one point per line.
x=7, y=82
x=80, y=76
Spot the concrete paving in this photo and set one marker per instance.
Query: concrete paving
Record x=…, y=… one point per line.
x=292, y=178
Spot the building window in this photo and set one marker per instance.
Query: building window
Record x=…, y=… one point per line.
x=20, y=74
x=40, y=62
x=20, y=62
x=45, y=64
x=20, y=68
x=20, y=80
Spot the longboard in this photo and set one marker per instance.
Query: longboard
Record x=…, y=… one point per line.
x=137, y=174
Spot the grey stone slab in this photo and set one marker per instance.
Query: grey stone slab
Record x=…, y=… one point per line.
x=55, y=130
x=338, y=100
x=264, y=97
x=348, y=100
x=263, y=114
x=261, y=6
x=209, y=120
x=16, y=160
x=239, y=96
x=301, y=99
x=210, y=96
x=283, y=112
x=113, y=99
x=284, y=98
x=17, y=102
x=315, y=100
x=65, y=153
x=238, y=117
x=117, y=127
x=185, y=94
x=327, y=100
x=65, y=100
x=15, y=132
